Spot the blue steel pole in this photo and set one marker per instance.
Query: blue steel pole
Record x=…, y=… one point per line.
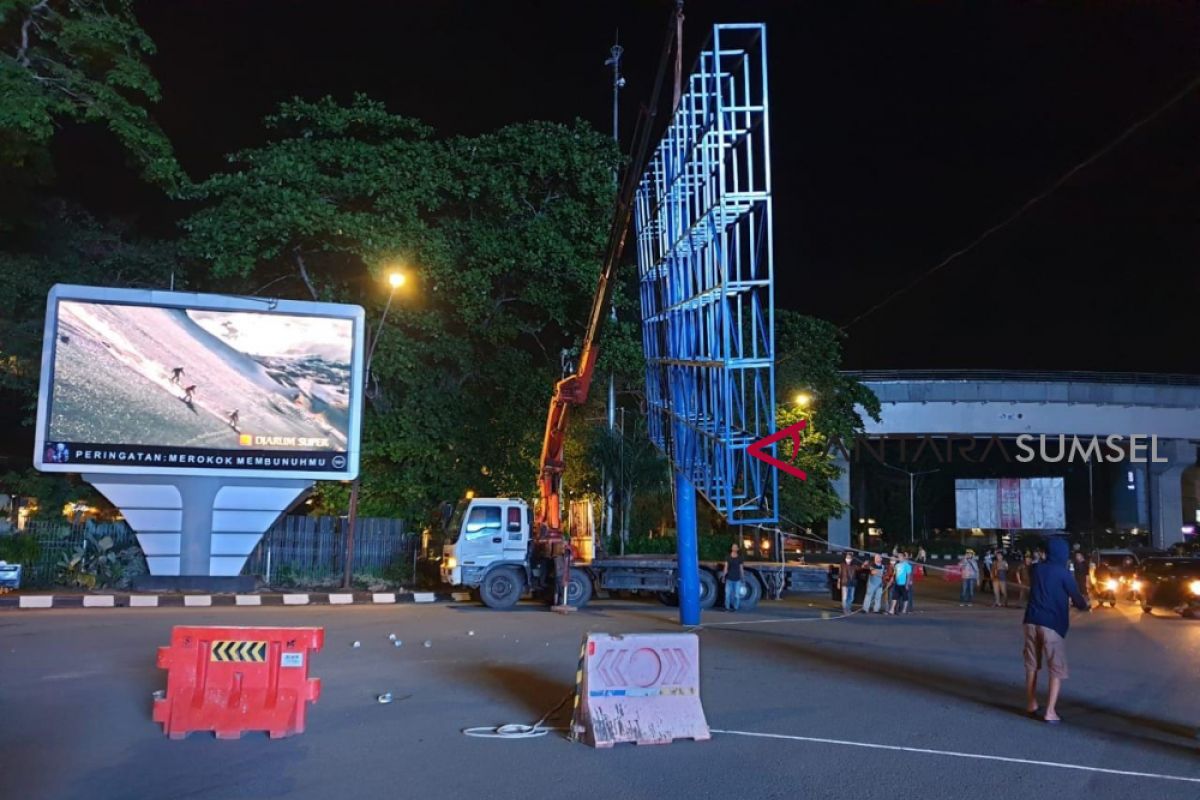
x=687, y=550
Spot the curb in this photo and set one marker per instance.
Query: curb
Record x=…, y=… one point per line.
x=29, y=601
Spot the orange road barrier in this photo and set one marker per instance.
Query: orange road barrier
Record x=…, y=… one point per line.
x=231, y=680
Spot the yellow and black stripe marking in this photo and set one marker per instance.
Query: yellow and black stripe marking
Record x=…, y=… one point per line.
x=225, y=650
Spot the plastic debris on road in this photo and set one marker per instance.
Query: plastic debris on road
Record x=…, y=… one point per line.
x=470, y=633
x=428, y=643
x=384, y=698
x=397, y=643
x=392, y=636
x=356, y=644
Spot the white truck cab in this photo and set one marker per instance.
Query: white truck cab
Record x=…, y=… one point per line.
x=485, y=533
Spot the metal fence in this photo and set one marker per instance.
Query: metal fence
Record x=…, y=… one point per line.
x=311, y=550
x=56, y=539
x=297, y=550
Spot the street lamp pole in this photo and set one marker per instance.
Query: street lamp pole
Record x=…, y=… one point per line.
x=610, y=484
x=395, y=281
x=912, y=510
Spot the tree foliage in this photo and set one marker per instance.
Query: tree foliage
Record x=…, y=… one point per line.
x=501, y=237
x=64, y=244
x=83, y=61
x=809, y=361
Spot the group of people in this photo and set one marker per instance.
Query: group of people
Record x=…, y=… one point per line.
x=189, y=392
x=1049, y=576
x=997, y=569
x=889, y=580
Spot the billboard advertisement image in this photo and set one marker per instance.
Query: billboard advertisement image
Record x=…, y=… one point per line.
x=1010, y=503
x=173, y=383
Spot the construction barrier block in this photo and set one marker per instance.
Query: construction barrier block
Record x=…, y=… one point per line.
x=232, y=680
x=642, y=687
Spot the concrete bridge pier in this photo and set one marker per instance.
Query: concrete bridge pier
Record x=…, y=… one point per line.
x=1166, y=490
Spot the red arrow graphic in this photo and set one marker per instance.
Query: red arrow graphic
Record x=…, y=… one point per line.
x=756, y=449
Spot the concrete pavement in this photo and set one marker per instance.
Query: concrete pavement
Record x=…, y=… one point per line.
x=76, y=684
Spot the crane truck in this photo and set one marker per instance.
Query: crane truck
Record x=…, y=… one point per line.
x=503, y=548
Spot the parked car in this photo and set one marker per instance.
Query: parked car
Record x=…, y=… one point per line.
x=1169, y=582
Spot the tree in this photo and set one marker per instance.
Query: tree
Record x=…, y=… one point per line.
x=82, y=61
x=809, y=361
x=634, y=465
x=65, y=244
x=501, y=236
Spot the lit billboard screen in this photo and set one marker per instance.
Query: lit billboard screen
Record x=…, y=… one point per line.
x=172, y=383
x=1010, y=504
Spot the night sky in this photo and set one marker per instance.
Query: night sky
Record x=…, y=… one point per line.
x=901, y=131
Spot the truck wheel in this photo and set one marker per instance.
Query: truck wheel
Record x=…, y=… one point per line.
x=708, y=589
x=668, y=598
x=501, y=588
x=579, y=588
x=751, y=591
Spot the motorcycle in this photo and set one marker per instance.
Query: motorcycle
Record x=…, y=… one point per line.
x=1118, y=587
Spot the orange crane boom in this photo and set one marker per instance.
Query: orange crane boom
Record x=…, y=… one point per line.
x=573, y=389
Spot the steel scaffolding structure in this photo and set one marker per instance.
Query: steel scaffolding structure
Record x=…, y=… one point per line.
x=705, y=258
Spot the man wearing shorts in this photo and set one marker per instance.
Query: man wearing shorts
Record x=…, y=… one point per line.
x=1052, y=590
x=902, y=586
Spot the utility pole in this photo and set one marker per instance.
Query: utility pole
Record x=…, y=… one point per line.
x=912, y=515
x=614, y=61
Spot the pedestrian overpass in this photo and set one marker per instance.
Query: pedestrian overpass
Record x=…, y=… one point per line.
x=1007, y=404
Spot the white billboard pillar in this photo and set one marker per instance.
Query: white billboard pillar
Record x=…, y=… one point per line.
x=198, y=525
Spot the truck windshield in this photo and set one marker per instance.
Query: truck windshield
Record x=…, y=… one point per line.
x=454, y=526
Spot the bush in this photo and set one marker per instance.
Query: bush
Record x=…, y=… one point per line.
x=96, y=564
x=19, y=549
x=712, y=548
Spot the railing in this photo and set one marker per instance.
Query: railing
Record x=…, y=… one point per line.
x=965, y=375
x=297, y=550
x=310, y=551
x=56, y=539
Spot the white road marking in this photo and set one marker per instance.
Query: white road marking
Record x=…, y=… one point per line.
x=825, y=617
x=979, y=756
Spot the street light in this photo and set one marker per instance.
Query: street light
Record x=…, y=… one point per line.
x=803, y=399
x=912, y=509
x=395, y=280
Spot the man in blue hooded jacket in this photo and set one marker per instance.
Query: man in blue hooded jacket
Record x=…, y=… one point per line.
x=1052, y=590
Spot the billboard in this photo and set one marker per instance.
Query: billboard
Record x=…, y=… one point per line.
x=171, y=383
x=1010, y=504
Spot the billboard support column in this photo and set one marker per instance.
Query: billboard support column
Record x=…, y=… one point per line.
x=687, y=550
x=197, y=527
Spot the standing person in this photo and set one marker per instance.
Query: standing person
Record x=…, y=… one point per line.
x=1081, y=575
x=873, y=599
x=188, y=392
x=847, y=574
x=999, y=579
x=233, y=419
x=175, y=374
x=985, y=584
x=1047, y=617
x=902, y=585
x=732, y=575
x=969, y=568
x=1023, y=578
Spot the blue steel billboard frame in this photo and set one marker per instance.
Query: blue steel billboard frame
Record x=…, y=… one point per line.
x=706, y=265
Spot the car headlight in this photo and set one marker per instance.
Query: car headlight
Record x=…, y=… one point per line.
x=1194, y=587
x=1111, y=584
x=450, y=563
x=1136, y=585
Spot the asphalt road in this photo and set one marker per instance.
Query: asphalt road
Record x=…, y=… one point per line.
x=75, y=701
